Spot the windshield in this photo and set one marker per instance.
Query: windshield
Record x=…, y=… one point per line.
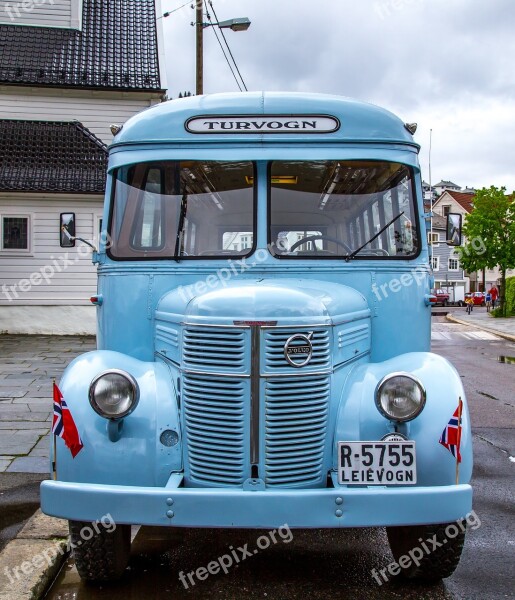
x=353, y=209
x=183, y=209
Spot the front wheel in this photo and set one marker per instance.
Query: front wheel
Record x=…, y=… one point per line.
x=100, y=554
x=433, y=551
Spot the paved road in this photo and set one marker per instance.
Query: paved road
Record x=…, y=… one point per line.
x=27, y=366
x=334, y=564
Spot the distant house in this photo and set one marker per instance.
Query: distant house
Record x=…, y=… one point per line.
x=463, y=203
x=442, y=186
x=447, y=270
x=429, y=194
x=68, y=70
x=452, y=201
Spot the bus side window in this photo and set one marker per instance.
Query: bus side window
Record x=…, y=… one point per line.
x=147, y=233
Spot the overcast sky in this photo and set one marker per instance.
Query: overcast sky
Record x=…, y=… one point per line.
x=446, y=64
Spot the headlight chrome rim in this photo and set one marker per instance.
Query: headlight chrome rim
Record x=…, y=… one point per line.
x=98, y=409
x=406, y=375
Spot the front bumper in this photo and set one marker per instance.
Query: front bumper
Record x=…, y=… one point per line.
x=319, y=508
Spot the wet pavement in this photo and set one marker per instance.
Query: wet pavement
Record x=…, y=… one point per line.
x=27, y=366
x=315, y=564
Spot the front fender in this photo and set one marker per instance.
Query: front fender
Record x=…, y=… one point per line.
x=359, y=420
x=138, y=457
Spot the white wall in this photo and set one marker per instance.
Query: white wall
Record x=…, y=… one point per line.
x=66, y=275
x=48, y=320
x=96, y=110
x=42, y=13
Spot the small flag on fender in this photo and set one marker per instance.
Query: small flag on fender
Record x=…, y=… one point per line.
x=451, y=435
x=63, y=424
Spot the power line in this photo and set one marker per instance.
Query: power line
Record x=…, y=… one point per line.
x=225, y=54
x=169, y=12
x=228, y=47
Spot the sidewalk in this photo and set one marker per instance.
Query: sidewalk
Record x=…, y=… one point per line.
x=27, y=365
x=482, y=320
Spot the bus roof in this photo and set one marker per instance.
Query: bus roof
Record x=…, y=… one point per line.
x=264, y=117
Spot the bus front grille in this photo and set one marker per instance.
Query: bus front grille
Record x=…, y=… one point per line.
x=215, y=429
x=296, y=416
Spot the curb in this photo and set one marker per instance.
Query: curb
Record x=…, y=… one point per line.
x=501, y=334
x=30, y=562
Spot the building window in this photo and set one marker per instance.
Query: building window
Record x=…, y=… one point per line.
x=435, y=263
x=15, y=233
x=446, y=209
x=433, y=238
x=454, y=263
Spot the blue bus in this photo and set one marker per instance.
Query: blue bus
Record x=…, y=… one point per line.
x=263, y=337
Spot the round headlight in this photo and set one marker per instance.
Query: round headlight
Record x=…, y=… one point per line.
x=400, y=397
x=113, y=394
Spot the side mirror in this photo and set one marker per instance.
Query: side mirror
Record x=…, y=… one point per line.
x=454, y=229
x=67, y=230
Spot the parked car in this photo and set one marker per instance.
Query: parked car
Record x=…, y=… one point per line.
x=479, y=298
x=441, y=297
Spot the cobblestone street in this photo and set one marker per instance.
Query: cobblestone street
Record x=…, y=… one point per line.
x=27, y=365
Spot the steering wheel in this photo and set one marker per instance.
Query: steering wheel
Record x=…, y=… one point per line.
x=312, y=238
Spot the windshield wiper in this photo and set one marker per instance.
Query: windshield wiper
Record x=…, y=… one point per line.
x=353, y=254
x=180, y=227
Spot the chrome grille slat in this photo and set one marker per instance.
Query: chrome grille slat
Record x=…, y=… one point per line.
x=296, y=415
x=215, y=428
x=214, y=349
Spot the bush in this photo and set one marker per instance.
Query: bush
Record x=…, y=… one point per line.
x=510, y=296
x=496, y=312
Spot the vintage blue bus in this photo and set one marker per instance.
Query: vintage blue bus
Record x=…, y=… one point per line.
x=264, y=335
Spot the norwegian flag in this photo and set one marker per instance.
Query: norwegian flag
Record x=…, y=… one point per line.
x=63, y=424
x=451, y=435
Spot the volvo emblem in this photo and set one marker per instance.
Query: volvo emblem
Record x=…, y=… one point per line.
x=298, y=349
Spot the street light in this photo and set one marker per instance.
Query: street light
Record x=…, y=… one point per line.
x=238, y=24
x=241, y=24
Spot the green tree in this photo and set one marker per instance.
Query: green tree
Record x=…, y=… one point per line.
x=490, y=235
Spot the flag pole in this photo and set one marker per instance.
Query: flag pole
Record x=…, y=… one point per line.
x=460, y=410
x=54, y=461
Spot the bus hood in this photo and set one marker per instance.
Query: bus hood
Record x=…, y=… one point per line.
x=282, y=301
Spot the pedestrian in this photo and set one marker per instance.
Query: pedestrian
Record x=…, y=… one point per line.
x=495, y=294
x=488, y=301
x=469, y=301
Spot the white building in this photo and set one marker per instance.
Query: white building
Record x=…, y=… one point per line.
x=442, y=186
x=68, y=70
x=463, y=204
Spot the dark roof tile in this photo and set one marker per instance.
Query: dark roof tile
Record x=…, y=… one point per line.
x=49, y=156
x=116, y=49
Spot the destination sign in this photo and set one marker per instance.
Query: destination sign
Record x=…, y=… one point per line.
x=266, y=124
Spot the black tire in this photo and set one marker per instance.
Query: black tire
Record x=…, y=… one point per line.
x=436, y=564
x=444, y=303
x=103, y=557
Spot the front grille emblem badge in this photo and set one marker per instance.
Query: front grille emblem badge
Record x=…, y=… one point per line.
x=298, y=349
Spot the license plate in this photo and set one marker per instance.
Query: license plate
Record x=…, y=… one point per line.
x=377, y=463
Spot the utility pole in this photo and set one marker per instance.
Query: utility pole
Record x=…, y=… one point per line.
x=200, y=48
